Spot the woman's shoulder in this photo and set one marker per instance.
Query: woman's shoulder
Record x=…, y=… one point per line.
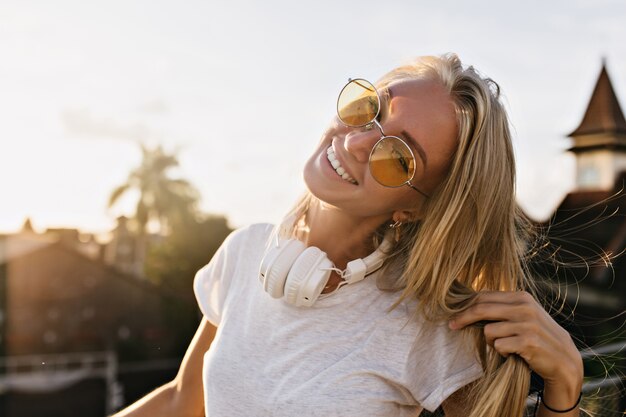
x=255, y=229
x=250, y=235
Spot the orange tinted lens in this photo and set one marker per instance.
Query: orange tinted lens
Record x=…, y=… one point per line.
x=358, y=103
x=391, y=162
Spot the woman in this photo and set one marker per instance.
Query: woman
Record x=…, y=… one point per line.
x=423, y=163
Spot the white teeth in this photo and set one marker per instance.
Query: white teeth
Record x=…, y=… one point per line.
x=337, y=166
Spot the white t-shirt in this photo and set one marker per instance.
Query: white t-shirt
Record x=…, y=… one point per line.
x=344, y=356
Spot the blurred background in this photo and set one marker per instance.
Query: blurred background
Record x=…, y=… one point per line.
x=135, y=135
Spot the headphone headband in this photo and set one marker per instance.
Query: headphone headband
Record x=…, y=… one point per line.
x=299, y=273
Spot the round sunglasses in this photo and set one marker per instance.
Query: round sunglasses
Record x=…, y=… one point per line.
x=392, y=162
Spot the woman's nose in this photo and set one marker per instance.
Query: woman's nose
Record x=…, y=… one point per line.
x=360, y=141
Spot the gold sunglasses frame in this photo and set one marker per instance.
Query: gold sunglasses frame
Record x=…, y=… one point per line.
x=369, y=125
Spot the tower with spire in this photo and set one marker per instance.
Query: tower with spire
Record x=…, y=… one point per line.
x=587, y=231
x=599, y=142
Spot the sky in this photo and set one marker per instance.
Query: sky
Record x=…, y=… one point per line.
x=243, y=90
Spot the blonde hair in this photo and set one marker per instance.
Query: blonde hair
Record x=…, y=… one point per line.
x=476, y=235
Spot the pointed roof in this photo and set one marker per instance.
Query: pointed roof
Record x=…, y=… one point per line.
x=27, y=227
x=603, y=114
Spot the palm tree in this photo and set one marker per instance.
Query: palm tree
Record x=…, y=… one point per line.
x=162, y=199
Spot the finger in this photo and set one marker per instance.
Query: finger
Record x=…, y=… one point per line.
x=482, y=323
x=498, y=330
x=489, y=311
x=506, y=297
x=523, y=345
x=504, y=329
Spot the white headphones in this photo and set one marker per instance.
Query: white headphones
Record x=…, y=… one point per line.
x=299, y=273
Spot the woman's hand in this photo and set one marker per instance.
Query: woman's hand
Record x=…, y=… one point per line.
x=518, y=324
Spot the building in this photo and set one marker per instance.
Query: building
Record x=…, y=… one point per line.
x=599, y=142
x=73, y=327
x=587, y=231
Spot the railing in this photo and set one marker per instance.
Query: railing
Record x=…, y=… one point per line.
x=602, y=397
x=606, y=396
x=46, y=373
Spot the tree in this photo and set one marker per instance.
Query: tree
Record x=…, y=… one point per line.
x=173, y=263
x=162, y=199
x=188, y=238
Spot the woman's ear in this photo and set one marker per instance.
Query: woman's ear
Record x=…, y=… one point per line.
x=406, y=216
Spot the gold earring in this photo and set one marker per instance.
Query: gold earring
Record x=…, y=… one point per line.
x=396, y=227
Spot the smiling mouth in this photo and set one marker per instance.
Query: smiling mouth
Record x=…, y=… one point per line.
x=330, y=154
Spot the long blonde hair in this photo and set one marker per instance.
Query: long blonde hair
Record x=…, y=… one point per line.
x=476, y=236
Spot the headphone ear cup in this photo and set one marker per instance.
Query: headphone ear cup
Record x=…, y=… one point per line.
x=307, y=277
x=276, y=264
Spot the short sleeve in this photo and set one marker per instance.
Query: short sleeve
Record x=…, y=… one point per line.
x=440, y=362
x=237, y=253
x=212, y=281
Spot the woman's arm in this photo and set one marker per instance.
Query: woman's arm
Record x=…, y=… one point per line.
x=521, y=326
x=183, y=396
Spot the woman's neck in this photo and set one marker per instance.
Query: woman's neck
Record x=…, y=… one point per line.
x=342, y=236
